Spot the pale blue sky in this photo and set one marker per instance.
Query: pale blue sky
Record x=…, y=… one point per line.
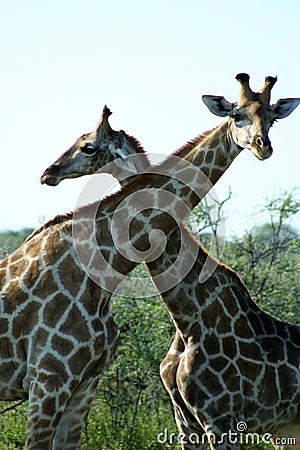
x=150, y=62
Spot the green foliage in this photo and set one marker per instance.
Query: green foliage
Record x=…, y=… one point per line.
x=13, y=427
x=10, y=240
x=267, y=259
x=130, y=391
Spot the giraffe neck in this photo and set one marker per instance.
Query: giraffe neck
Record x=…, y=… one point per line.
x=191, y=299
x=182, y=185
x=214, y=153
x=157, y=200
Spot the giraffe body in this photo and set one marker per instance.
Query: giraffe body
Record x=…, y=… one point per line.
x=230, y=362
x=216, y=380
x=57, y=337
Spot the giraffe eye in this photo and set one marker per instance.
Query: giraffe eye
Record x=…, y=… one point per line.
x=88, y=149
x=238, y=117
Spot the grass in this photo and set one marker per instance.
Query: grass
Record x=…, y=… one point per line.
x=103, y=432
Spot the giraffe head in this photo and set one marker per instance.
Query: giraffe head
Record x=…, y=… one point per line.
x=92, y=151
x=251, y=117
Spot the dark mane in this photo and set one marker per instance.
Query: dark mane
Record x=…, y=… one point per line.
x=138, y=148
x=189, y=145
x=134, y=143
x=57, y=219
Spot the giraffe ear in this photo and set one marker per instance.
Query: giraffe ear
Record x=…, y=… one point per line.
x=123, y=160
x=285, y=106
x=218, y=105
x=126, y=163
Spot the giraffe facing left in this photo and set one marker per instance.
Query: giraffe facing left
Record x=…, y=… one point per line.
x=56, y=328
x=92, y=151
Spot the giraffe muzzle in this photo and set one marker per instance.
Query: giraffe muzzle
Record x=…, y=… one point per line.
x=262, y=147
x=50, y=176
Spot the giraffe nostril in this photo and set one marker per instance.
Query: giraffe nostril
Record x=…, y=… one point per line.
x=259, y=141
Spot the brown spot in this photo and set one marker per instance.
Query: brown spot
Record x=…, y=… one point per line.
x=53, y=247
x=273, y=348
x=55, y=309
x=32, y=272
x=192, y=395
x=24, y=322
x=213, y=141
x=211, y=382
x=224, y=325
x=229, y=303
x=99, y=343
x=22, y=348
x=255, y=321
x=269, y=395
x=294, y=334
x=250, y=350
x=269, y=326
x=48, y=406
x=229, y=346
x=3, y=326
x=231, y=378
x=76, y=325
x=8, y=371
x=242, y=328
x=16, y=256
x=16, y=269
x=102, y=362
x=212, y=344
x=63, y=398
x=218, y=363
x=52, y=372
x=13, y=297
x=211, y=315
x=70, y=275
x=6, y=348
x=79, y=361
x=61, y=345
x=46, y=285
x=209, y=157
x=33, y=248
x=288, y=382
x=216, y=175
x=90, y=297
x=221, y=405
x=249, y=369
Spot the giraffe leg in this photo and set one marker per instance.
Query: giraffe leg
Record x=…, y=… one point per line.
x=73, y=419
x=221, y=434
x=44, y=412
x=190, y=435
